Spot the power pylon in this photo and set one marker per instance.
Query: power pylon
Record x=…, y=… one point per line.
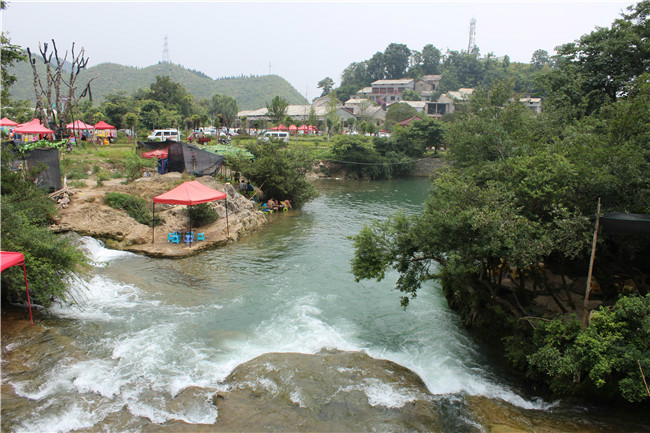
x=165, y=56
x=472, y=36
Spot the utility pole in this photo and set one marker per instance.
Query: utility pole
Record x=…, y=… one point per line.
x=585, y=311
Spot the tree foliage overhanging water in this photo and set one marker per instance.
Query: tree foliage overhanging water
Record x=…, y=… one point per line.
x=509, y=221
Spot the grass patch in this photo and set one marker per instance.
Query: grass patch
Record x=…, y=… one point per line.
x=136, y=207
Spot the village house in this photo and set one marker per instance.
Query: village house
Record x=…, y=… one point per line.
x=386, y=92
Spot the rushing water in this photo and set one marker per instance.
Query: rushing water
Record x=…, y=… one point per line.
x=149, y=329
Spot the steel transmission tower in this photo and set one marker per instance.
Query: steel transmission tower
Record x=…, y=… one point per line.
x=165, y=56
x=472, y=36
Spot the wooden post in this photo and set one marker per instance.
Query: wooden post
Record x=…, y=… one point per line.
x=591, y=267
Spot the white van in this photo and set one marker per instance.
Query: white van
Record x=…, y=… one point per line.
x=164, y=135
x=276, y=135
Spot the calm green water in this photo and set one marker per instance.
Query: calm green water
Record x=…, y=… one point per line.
x=150, y=328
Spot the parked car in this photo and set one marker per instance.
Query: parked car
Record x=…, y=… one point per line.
x=164, y=135
x=276, y=135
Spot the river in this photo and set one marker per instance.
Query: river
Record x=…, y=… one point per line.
x=148, y=330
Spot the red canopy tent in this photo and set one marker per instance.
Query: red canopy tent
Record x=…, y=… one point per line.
x=32, y=127
x=281, y=127
x=78, y=124
x=303, y=128
x=9, y=259
x=293, y=128
x=189, y=193
x=7, y=122
x=101, y=125
x=156, y=153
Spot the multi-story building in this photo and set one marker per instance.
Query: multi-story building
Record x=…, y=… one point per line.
x=387, y=92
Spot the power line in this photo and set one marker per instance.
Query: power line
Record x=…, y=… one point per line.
x=375, y=163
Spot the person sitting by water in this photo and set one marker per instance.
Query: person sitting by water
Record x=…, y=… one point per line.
x=286, y=204
x=273, y=204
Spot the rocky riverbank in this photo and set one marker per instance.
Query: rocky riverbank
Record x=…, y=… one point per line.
x=83, y=211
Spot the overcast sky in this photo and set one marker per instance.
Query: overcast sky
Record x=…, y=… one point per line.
x=302, y=41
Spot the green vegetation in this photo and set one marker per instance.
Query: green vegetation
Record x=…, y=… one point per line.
x=202, y=214
x=509, y=220
x=50, y=259
x=136, y=207
x=279, y=170
x=609, y=351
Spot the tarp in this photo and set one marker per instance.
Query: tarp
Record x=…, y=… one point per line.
x=10, y=258
x=32, y=127
x=7, y=122
x=156, y=153
x=78, y=124
x=103, y=125
x=189, y=193
x=188, y=158
x=626, y=222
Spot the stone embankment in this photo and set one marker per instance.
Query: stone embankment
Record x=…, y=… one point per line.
x=425, y=167
x=86, y=214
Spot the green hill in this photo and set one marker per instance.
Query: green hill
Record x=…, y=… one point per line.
x=250, y=92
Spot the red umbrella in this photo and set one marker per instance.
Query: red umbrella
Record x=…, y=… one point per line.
x=281, y=127
x=7, y=122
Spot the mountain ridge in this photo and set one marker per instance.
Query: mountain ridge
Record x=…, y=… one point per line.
x=251, y=92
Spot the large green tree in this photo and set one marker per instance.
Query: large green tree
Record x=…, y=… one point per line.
x=277, y=108
x=225, y=107
x=396, y=60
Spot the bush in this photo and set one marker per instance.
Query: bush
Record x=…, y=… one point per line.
x=136, y=207
x=49, y=258
x=202, y=214
x=608, y=353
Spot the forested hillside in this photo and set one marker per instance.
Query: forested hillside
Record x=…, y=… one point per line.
x=250, y=92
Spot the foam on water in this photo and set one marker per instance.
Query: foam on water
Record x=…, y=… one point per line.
x=98, y=254
x=385, y=394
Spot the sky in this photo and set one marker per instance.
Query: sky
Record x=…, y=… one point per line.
x=301, y=41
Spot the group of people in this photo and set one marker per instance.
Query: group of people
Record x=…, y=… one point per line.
x=273, y=205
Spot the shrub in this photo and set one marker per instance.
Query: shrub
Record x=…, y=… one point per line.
x=49, y=258
x=202, y=214
x=136, y=207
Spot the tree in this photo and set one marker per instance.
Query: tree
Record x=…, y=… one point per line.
x=168, y=92
x=277, y=108
x=540, y=59
x=225, y=106
x=281, y=171
x=130, y=120
x=27, y=213
x=57, y=107
x=312, y=119
x=606, y=60
x=326, y=84
x=396, y=59
x=411, y=95
x=430, y=60
x=398, y=112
